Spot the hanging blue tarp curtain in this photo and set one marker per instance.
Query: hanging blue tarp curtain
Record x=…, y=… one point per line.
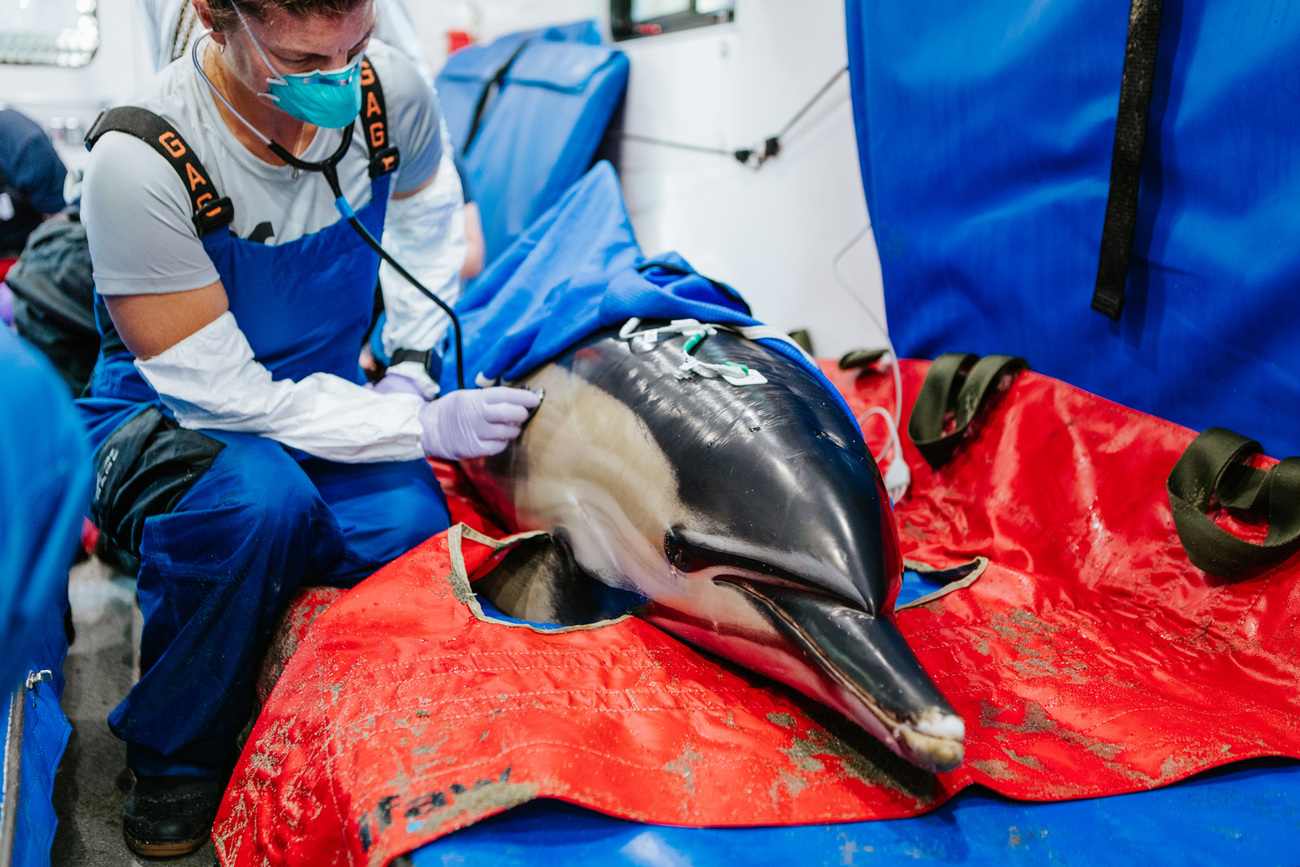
x=985, y=134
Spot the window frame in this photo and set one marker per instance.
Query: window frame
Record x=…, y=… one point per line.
x=59, y=50
x=623, y=27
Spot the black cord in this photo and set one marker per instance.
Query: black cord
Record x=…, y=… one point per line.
x=332, y=178
x=329, y=168
x=771, y=146
x=798, y=117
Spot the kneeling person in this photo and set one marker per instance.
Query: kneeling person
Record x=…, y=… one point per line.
x=238, y=453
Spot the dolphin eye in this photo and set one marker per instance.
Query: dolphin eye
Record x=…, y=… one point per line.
x=676, y=554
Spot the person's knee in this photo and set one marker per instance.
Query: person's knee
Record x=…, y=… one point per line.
x=417, y=513
x=388, y=509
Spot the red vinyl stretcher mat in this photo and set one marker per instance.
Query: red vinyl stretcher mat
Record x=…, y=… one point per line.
x=1088, y=657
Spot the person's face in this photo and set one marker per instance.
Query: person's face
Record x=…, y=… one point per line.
x=294, y=44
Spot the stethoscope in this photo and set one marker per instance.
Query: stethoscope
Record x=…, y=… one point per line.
x=329, y=168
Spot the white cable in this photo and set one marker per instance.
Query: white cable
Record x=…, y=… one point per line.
x=898, y=470
x=767, y=332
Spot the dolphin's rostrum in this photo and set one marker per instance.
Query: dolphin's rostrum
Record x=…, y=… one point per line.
x=750, y=521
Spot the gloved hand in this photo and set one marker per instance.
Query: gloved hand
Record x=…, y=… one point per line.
x=395, y=383
x=475, y=422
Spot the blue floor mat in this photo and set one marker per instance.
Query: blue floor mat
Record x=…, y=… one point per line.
x=1246, y=814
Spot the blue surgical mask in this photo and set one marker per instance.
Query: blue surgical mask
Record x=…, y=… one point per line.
x=328, y=98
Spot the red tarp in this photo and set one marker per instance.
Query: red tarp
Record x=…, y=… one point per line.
x=1088, y=658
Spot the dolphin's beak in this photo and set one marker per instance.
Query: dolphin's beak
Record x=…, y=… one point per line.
x=866, y=671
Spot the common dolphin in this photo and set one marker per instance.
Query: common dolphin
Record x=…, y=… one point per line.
x=750, y=519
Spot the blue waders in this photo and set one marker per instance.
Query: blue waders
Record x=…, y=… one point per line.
x=226, y=525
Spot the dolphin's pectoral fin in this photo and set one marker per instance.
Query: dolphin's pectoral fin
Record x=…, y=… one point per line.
x=538, y=580
x=870, y=668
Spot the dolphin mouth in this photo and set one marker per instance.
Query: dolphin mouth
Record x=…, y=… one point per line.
x=868, y=671
x=731, y=560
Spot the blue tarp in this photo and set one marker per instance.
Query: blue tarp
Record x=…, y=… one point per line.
x=576, y=270
x=44, y=490
x=985, y=133
x=1241, y=815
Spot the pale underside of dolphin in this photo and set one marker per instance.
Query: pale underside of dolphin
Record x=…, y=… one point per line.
x=747, y=520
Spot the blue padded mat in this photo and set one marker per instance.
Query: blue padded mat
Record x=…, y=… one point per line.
x=1247, y=814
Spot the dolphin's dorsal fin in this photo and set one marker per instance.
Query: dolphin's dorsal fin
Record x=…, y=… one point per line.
x=538, y=580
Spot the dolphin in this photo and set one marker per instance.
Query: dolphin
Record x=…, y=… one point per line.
x=748, y=520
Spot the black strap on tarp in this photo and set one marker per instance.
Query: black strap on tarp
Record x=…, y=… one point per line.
x=1126, y=158
x=1213, y=471
x=956, y=388
x=211, y=211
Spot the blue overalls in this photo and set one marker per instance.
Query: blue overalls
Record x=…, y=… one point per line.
x=225, y=539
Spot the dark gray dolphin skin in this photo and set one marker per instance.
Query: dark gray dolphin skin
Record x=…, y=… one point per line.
x=751, y=519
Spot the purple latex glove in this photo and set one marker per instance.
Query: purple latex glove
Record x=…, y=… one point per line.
x=6, y=304
x=395, y=383
x=475, y=422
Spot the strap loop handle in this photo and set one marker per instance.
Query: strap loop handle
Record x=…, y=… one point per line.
x=1212, y=470
x=961, y=384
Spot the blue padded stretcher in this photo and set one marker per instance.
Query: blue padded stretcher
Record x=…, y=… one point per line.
x=468, y=73
x=540, y=133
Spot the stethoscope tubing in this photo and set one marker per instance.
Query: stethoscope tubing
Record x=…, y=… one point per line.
x=329, y=169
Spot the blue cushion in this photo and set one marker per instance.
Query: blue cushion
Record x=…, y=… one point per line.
x=543, y=133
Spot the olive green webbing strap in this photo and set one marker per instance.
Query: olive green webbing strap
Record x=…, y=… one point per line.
x=1212, y=469
x=960, y=383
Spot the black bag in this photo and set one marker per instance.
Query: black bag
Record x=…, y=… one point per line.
x=54, y=299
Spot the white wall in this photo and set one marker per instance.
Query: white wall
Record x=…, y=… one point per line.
x=772, y=232
x=488, y=19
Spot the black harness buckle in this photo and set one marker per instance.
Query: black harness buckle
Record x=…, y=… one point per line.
x=384, y=161
x=213, y=215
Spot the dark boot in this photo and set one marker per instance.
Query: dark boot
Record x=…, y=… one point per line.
x=166, y=817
